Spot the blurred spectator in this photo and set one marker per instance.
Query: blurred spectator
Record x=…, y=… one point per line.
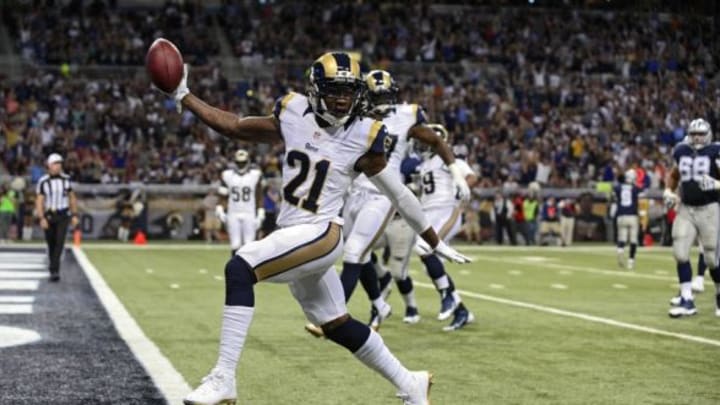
x=531, y=208
x=471, y=222
x=567, y=221
x=502, y=217
x=8, y=203
x=550, y=229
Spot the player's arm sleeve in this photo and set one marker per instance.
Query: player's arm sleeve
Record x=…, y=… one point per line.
x=223, y=188
x=378, y=139
x=388, y=182
x=420, y=115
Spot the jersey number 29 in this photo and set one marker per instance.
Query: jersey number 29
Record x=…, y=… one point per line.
x=693, y=168
x=310, y=202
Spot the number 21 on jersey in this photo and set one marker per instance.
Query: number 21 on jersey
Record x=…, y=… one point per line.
x=693, y=168
x=310, y=202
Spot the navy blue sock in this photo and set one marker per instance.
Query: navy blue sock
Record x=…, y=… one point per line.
x=715, y=274
x=633, y=248
x=684, y=272
x=369, y=280
x=239, y=281
x=451, y=288
x=351, y=334
x=434, y=266
x=621, y=245
x=385, y=280
x=405, y=286
x=701, y=265
x=233, y=252
x=349, y=278
x=386, y=255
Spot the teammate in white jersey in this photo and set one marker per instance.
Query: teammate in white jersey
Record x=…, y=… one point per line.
x=368, y=211
x=326, y=146
x=443, y=206
x=245, y=213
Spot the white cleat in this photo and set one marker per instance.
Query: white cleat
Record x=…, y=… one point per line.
x=314, y=330
x=621, y=259
x=686, y=308
x=631, y=264
x=698, y=284
x=717, y=312
x=411, y=315
x=378, y=316
x=676, y=300
x=419, y=393
x=217, y=388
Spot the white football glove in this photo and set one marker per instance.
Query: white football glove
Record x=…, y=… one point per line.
x=708, y=183
x=460, y=182
x=669, y=198
x=260, y=217
x=442, y=250
x=181, y=90
x=220, y=212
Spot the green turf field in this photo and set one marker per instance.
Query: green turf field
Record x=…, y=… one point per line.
x=552, y=327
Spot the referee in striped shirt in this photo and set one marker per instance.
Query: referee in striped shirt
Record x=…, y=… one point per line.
x=56, y=206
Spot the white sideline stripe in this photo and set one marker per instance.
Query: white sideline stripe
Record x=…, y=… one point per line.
x=591, y=270
x=584, y=317
x=17, y=299
x=19, y=285
x=22, y=266
x=7, y=274
x=167, y=379
x=15, y=309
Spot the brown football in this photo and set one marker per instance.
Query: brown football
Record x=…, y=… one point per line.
x=164, y=65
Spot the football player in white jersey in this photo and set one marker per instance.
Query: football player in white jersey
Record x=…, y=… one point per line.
x=326, y=146
x=245, y=213
x=443, y=205
x=368, y=211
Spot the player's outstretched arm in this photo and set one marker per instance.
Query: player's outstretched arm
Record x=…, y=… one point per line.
x=374, y=166
x=439, y=146
x=249, y=129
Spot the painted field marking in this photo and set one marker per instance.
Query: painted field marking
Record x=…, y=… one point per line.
x=582, y=316
x=565, y=272
x=620, y=286
x=15, y=309
x=558, y=286
x=19, y=285
x=218, y=278
x=169, y=381
x=464, y=272
x=8, y=274
x=17, y=299
x=591, y=270
x=22, y=266
x=202, y=271
x=496, y=286
x=174, y=286
x=11, y=336
x=515, y=272
x=149, y=271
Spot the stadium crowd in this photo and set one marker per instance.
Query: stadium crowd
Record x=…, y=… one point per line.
x=572, y=97
x=96, y=33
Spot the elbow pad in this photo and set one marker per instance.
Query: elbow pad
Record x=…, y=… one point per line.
x=388, y=182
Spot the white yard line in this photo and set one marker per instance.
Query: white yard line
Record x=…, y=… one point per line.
x=17, y=299
x=168, y=380
x=584, y=317
x=19, y=285
x=16, y=309
x=592, y=270
x=22, y=266
x=25, y=274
